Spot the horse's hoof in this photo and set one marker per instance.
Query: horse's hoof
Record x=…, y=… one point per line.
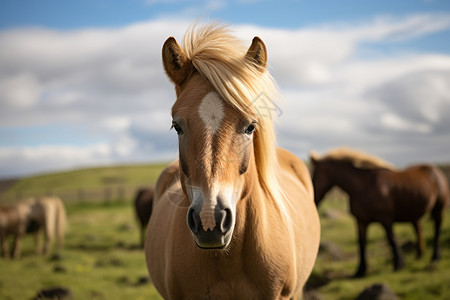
x=399, y=267
x=435, y=258
x=359, y=275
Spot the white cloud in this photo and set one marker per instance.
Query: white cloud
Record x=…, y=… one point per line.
x=394, y=122
x=111, y=83
x=21, y=91
x=23, y=160
x=117, y=123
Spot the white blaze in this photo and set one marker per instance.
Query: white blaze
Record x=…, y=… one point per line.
x=207, y=213
x=211, y=112
x=210, y=201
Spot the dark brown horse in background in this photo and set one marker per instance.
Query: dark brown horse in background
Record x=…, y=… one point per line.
x=143, y=205
x=379, y=193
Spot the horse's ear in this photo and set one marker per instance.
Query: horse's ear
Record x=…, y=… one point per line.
x=314, y=157
x=175, y=61
x=257, y=53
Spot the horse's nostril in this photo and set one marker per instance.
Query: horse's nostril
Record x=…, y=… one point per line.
x=226, y=221
x=193, y=221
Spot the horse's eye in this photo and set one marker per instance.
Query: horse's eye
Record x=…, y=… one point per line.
x=250, y=129
x=177, y=128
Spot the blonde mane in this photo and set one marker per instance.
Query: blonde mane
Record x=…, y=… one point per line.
x=358, y=158
x=221, y=59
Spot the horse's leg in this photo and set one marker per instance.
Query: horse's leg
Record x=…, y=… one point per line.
x=50, y=223
x=4, y=242
x=143, y=236
x=47, y=241
x=37, y=242
x=399, y=261
x=17, y=248
x=420, y=243
x=362, y=236
x=437, y=214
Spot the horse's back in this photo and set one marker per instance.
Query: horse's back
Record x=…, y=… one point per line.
x=429, y=178
x=295, y=166
x=52, y=205
x=414, y=190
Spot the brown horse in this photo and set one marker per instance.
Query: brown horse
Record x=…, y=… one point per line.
x=45, y=214
x=380, y=193
x=143, y=205
x=234, y=217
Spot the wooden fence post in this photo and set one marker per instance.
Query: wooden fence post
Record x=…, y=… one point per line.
x=81, y=195
x=107, y=195
x=121, y=193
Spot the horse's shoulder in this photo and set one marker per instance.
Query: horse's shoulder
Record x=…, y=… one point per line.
x=167, y=177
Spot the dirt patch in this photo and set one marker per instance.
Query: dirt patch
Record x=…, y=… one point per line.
x=378, y=291
x=55, y=293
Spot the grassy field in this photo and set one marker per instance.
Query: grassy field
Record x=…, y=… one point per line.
x=102, y=260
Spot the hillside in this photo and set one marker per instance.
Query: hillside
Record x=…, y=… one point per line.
x=83, y=184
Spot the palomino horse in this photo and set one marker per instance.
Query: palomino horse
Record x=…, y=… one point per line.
x=379, y=193
x=31, y=216
x=234, y=217
x=143, y=205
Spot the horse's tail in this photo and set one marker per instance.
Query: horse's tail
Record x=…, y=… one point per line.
x=61, y=221
x=443, y=190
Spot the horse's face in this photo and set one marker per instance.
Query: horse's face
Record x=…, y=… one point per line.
x=215, y=147
x=320, y=179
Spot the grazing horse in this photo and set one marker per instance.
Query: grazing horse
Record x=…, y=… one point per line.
x=380, y=193
x=234, y=216
x=143, y=204
x=45, y=214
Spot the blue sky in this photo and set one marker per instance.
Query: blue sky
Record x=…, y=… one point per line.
x=81, y=82
x=287, y=14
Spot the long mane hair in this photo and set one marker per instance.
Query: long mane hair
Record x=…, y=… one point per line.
x=220, y=58
x=357, y=158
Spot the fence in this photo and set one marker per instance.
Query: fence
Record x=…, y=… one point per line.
x=104, y=194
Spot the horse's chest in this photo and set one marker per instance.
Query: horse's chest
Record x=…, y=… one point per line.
x=240, y=287
x=368, y=208
x=233, y=281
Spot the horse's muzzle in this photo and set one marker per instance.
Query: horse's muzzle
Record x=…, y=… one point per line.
x=216, y=238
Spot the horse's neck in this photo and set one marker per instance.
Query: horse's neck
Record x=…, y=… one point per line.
x=252, y=206
x=259, y=214
x=348, y=178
